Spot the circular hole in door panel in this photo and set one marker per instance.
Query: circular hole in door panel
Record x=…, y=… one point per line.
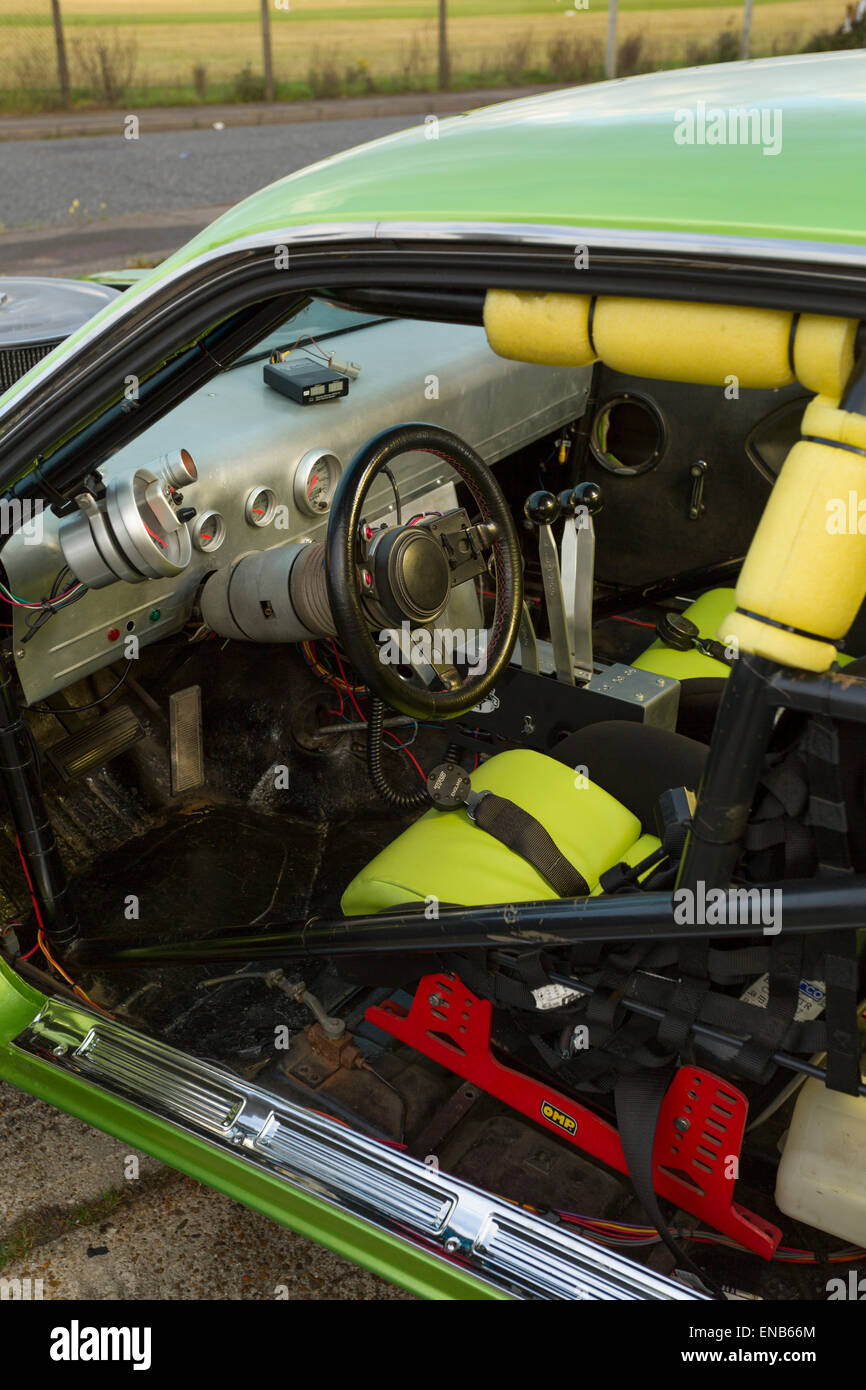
x=628, y=435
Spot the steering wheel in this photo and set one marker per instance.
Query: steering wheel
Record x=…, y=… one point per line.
x=401, y=575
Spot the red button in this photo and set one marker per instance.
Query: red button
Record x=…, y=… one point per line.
x=113, y=633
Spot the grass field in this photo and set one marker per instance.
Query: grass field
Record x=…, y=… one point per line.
x=148, y=51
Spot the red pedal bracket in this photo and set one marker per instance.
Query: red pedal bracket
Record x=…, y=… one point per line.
x=700, y=1128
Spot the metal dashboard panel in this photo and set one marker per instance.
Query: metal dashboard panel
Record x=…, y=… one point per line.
x=243, y=435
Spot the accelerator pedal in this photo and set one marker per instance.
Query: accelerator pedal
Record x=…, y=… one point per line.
x=698, y=1136
x=185, y=736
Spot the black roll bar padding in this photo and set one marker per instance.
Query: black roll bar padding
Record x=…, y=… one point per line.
x=807, y=906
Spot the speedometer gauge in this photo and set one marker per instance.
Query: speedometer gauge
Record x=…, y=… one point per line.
x=316, y=478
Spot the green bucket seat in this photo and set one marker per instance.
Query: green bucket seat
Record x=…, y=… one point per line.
x=707, y=613
x=445, y=856
x=701, y=677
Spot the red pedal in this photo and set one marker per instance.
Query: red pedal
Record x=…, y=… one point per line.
x=700, y=1127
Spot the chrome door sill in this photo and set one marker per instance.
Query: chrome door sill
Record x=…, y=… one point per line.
x=516, y=1251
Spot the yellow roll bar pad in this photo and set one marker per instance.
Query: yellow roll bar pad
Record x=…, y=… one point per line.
x=806, y=565
x=674, y=340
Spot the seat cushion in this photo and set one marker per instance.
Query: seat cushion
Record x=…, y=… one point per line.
x=445, y=856
x=707, y=613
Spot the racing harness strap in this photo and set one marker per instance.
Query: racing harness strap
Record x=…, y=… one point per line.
x=522, y=833
x=449, y=788
x=803, y=812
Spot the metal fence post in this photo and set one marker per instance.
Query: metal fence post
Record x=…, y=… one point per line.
x=610, y=53
x=60, y=43
x=267, y=56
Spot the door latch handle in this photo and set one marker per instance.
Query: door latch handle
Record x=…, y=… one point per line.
x=697, y=473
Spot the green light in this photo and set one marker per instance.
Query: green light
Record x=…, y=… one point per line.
x=154, y=615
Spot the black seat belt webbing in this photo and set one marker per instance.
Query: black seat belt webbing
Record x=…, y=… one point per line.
x=828, y=814
x=522, y=833
x=843, y=1035
x=774, y=1022
x=638, y=1098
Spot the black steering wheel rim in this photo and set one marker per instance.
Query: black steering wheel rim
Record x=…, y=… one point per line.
x=342, y=559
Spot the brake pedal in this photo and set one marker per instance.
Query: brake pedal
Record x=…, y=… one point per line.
x=96, y=743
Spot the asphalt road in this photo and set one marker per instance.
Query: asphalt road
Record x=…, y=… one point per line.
x=41, y=180
x=73, y=206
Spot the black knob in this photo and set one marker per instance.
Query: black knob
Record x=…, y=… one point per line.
x=588, y=495
x=677, y=631
x=542, y=508
x=448, y=786
x=186, y=514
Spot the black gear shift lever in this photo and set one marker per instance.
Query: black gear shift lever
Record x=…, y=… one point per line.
x=543, y=509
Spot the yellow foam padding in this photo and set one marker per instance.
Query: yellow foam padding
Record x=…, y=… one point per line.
x=823, y=418
x=708, y=614
x=824, y=353
x=672, y=340
x=701, y=343
x=546, y=328
x=445, y=856
x=800, y=570
x=788, y=648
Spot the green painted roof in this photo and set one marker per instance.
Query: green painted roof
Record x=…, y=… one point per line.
x=613, y=154
x=610, y=155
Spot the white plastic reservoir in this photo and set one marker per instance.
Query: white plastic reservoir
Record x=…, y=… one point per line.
x=822, y=1175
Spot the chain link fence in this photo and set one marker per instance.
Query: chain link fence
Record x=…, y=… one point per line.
x=165, y=52
x=30, y=73
x=48, y=62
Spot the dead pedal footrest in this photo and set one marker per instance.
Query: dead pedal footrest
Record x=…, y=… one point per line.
x=699, y=1133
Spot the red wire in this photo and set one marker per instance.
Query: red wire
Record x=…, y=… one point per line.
x=618, y=618
x=29, y=884
x=349, y=690
x=421, y=773
x=339, y=711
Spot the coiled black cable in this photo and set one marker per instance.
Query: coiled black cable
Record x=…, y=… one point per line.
x=404, y=801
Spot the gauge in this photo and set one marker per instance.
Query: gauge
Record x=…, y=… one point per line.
x=260, y=506
x=316, y=478
x=133, y=532
x=209, y=531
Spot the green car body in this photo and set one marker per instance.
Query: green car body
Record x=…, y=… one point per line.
x=600, y=158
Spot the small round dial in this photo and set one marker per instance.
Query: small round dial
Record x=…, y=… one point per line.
x=316, y=478
x=208, y=531
x=260, y=506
